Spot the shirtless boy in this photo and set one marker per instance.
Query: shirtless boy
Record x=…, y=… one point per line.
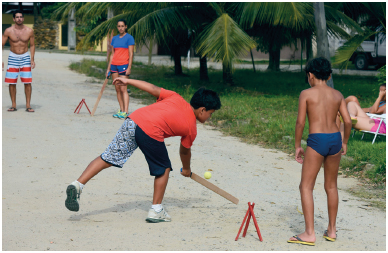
x=321, y=104
x=19, y=61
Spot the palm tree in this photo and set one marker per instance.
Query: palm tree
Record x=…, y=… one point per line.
x=371, y=18
x=278, y=24
x=216, y=35
x=223, y=39
x=146, y=21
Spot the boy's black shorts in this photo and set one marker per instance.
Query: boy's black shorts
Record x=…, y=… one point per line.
x=128, y=138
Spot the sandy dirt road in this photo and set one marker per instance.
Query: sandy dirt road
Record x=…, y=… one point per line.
x=45, y=151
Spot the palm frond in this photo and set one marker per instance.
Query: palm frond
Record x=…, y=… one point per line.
x=336, y=31
x=144, y=24
x=337, y=17
x=288, y=14
x=345, y=52
x=223, y=40
x=63, y=11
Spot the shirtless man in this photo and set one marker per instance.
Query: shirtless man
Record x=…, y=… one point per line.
x=321, y=104
x=19, y=61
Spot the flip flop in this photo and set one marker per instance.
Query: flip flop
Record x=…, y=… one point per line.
x=300, y=241
x=329, y=238
x=12, y=109
x=30, y=110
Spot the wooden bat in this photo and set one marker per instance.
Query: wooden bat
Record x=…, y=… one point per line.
x=100, y=95
x=214, y=188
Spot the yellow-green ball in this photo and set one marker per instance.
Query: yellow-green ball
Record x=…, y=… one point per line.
x=208, y=174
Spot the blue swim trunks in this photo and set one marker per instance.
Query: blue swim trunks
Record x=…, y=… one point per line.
x=119, y=69
x=325, y=144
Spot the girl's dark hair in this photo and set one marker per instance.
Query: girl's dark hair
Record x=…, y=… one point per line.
x=125, y=23
x=205, y=98
x=320, y=67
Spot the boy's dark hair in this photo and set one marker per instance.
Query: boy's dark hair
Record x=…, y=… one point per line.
x=17, y=11
x=320, y=67
x=383, y=84
x=205, y=98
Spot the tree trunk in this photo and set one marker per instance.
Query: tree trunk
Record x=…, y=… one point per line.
x=109, y=36
x=322, y=39
x=150, y=50
x=227, y=75
x=274, y=59
x=203, y=75
x=309, y=48
x=36, y=12
x=253, y=62
x=176, y=53
x=71, y=37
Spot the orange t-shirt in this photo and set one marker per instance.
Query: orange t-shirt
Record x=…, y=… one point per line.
x=170, y=116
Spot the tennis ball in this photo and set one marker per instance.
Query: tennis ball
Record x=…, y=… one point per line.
x=208, y=174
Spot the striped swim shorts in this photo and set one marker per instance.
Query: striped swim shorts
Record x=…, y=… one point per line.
x=122, y=146
x=18, y=63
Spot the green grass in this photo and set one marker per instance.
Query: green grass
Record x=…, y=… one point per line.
x=262, y=107
x=350, y=66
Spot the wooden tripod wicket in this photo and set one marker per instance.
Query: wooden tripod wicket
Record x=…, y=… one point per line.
x=249, y=214
x=80, y=105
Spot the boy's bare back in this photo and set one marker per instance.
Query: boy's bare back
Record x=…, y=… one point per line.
x=322, y=106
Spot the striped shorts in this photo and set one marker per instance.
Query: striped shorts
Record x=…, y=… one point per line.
x=122, y=146
x=18, y=63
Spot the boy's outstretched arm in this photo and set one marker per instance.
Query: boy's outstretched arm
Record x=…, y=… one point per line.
x=142, y=85
x=185, y=154
x=299, y=126
x=347, y=125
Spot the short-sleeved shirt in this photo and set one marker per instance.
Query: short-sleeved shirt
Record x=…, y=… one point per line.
x=170, y=116
x=120, y=45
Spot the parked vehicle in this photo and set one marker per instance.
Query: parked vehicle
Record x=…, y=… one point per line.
x=373, y=53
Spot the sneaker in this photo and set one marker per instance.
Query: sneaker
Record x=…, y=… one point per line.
x=122, y=115
x=117, y=114
x=155, y=217
x=73, y=192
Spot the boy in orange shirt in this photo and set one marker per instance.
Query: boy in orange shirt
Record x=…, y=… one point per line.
x=321, y=103
x=147, y=128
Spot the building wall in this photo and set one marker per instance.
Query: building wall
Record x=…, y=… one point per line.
x=8, y=19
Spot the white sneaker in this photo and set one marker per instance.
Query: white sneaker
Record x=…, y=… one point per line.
x=155, y=217
x=73, y=193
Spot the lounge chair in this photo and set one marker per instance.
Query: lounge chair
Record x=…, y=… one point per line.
x=383, y=117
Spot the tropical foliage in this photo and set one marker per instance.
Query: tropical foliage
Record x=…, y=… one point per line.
x=226, y=31
x=371, y=19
